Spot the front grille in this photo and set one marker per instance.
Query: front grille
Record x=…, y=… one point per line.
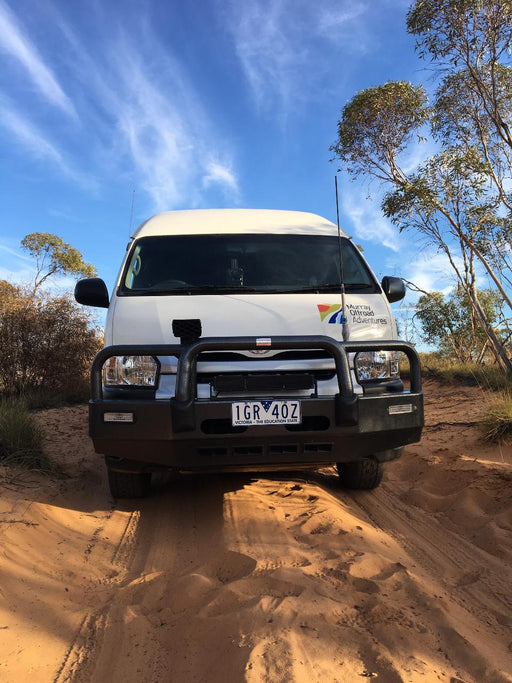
x=263, y=382
x=223, y=356
x=316, y=375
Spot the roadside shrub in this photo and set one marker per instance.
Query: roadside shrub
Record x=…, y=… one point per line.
x=46, y=345
x=496, y=424
x=21, y=439
x=46, y=397
x=472, y=374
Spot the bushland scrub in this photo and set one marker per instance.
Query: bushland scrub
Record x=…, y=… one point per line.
x=46, y=344
x=46, y=347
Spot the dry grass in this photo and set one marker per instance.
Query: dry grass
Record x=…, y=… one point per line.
x=489, y=377
x=496, y=425
x=21, y=439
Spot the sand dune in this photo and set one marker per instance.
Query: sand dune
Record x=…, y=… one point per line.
x=263, y=578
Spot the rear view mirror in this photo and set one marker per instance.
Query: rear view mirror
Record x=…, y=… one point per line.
x=92, y=291
x=393, y=288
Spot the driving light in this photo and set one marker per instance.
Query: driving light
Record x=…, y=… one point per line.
x=371, y=366
x=130, y=371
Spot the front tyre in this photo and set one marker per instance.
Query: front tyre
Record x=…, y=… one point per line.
x=129, y=484
x=363, y=474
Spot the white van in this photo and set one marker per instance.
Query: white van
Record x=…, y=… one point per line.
x=248, y=340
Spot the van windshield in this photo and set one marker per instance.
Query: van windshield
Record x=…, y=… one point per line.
x=251, y=263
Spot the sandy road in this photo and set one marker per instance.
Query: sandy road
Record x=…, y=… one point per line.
x=261, y=578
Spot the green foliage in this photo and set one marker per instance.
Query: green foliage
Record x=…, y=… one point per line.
x=46, y=344
x=54, y=256
x=378, y=124
x=448, y=322
x=458, y=110
x=461, y=30
x=21, y=439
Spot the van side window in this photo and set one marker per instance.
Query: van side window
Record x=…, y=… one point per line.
x=134, y=268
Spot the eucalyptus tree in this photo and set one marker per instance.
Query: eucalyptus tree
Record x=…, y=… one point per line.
x=459, y=198
x=446, y=322
x=53, y=256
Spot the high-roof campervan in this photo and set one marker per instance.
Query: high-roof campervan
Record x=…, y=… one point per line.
x=249, y=340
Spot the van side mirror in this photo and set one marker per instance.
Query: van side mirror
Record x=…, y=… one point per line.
x=92, y=291
x=393, y=288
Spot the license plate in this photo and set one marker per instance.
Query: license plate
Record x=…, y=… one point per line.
x=265, y=413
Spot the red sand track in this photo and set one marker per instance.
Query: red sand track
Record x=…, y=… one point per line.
x=263, y=578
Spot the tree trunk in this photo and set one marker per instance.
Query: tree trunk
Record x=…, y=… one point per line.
x=496, y=345
x=481, y=355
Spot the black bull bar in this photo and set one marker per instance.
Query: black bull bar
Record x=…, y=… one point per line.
x=183, y=403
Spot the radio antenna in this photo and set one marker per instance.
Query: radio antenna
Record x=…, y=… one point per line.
x=344, y=327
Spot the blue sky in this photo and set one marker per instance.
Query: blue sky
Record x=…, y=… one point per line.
x=176, y=105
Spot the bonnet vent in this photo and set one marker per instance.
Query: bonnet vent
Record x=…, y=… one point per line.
x=188, y=330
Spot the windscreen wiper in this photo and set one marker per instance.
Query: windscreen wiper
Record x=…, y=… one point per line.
x=358, y=285
x=200, y=289
x=331, y=287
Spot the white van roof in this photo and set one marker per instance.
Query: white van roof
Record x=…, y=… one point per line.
x=222, y=221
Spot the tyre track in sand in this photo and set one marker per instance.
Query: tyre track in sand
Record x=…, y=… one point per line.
x=471, y=586
x=264, y=579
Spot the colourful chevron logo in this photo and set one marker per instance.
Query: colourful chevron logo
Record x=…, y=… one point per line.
x=333, y=313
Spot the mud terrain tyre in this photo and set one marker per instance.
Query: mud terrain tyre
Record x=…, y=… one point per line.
x=364, y=474
x=129, y=484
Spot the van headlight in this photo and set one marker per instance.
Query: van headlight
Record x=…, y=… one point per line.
x=372, y=366
x=130, y=371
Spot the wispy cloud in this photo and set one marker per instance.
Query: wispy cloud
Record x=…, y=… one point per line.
x=342, y=23
x=430, y=271
x=277, y=42
x=265, y=48
x=220, y=174
x=140, y=116
x=27, y=134
x=160, y=132
x=368, y=221
x=8, y=252
x=169, y=139
x=14, y=265
x=18, y=45
x=37, y=143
